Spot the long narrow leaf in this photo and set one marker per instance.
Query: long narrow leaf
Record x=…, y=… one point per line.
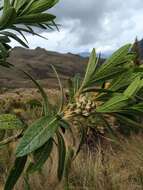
x=15, y=173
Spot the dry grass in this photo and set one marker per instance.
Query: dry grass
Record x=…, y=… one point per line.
x=118, y=167
x=105, y=169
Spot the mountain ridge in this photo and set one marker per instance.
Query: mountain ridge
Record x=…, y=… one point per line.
x=37, y=62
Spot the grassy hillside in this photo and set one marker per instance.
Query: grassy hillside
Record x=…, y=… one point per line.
x=37, y=63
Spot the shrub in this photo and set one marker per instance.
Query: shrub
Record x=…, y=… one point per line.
x=89, y=98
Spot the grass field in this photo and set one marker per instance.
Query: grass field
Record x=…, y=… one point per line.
x=108, y=167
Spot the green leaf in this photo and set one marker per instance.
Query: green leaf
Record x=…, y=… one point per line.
x=41, y=6
x=40, y=156
x=8, y=17
x=109, y=74
x=138, y=107
x=62, y=155
x=43, y=94
x=15, y=173
x=19, y=4
x=6, y=5
x=64, y=124
x=2, y=134
x=92, y=64
x=83, y=133
x=26, y=183
x=68, y=162
x=4, y=39
x=122, y=81
x=61, y=90
x=116, y=59
x=114, y=104
x=133, y=88
x=127, y=121
x=73, y=86
x=3, y=51
x=37, y=135
x=35, y=18
x=113, y=66
x=9, y=121
x=11, y=35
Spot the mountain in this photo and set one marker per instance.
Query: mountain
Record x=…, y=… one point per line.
x=84, y=54
x=104, y=55
x=38, y=63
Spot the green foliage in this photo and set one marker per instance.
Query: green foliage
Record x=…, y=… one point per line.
x=37, y=135
x=15, y=172
x=62, y=155
x=8, y=121
x=40, y=156
x=28, y=13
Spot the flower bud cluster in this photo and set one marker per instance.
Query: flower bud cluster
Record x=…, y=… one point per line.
x=83, y=106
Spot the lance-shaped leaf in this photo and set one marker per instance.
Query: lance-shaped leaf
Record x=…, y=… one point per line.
x=6, y=4
x=62, y=155
x=112, y=66
x=41, y=6
x=138, y=107
x=40, y=156
x=46, y=105
x=15, y=173
x=68, y=162
x=15, y=37
x=9, y=121
x=125, y=120
x=37, y=135
x=91, y=67
x=114, y=104
x=26, y=183
x=122, y=81
x=35, y=18
x=116, y=59
x=133, y=88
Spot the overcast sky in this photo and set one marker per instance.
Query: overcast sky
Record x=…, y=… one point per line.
x=103, y=24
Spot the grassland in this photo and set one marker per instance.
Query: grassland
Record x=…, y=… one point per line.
x=108, y=167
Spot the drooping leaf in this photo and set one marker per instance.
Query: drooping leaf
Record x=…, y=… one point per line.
x=61, y=155
x=37, y=135
x=127, y=121
x=26, y=183
x=15, y=173
x=68, y=162
x=40, y=156
x=43, y=94
x=15, y=37
x=61, y=90
x=83, y=133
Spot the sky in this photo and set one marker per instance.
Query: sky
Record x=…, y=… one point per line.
x=85, y=24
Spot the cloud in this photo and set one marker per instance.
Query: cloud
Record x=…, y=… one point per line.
x=104, y=24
